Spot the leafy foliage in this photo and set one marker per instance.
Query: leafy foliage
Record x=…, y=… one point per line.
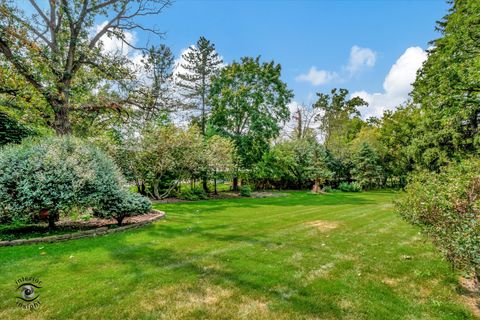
x=367, y=170
x=350, y=187
x=11, y=131
x=446, y=207
x=245, y=191
x=249, y=103
x=55, y=175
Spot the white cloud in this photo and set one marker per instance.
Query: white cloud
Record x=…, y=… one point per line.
x=397, y=84
x=317, y=77
x=360, y=58
x=113, y=44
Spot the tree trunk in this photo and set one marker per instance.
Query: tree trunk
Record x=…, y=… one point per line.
x=156, y=192
x=235, y=183
x=119, y=220
x=215, y=185
x=205, y=184
x=62, y=123
x=51, y=220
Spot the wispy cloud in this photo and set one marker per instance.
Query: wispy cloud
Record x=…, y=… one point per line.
x=359, y=60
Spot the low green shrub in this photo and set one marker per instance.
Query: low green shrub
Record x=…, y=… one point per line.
x=123, y=204
x=327, y=189
x=245, y=191
x=193, y=194
x=446, y=207
x=350, y=187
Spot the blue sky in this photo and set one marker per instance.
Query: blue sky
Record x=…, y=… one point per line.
x=304, y=34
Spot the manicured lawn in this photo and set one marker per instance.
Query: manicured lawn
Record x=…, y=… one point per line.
x=334, y=256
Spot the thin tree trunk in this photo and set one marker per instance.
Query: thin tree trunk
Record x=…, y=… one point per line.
x=156, y=192
x=235, y=183
x=51, y=220
x=205, y=184
x=120, y=220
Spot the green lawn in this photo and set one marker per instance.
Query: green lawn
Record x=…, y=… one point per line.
x=302, y=256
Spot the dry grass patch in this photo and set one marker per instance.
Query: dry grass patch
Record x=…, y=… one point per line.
x=323, y=225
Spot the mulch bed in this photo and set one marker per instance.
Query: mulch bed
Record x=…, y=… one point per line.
x=67, y=229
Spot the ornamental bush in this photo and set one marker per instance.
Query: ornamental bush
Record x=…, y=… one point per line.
x=350, y=187
x=446, y=207
x=50, y=176
x=122, y=204
x=245, y=191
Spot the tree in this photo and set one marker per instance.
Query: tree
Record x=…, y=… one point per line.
x=220, y=154
x=54, y=48
x=249, y=103
x=155, y=93
x=339, y=119
x=303, y=122
x=202, y=62
x=367, y=170
x=447, y=90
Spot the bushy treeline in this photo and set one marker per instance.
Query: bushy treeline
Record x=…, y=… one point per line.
x=440, y=138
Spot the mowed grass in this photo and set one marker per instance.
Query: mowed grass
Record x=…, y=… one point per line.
x=302, y=256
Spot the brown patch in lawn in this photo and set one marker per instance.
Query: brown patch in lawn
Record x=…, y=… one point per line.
x=323, y=225
x=390, y=282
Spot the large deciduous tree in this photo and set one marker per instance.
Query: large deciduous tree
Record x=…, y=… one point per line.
x=249, y=103
x=339, y=119
x=54, y=47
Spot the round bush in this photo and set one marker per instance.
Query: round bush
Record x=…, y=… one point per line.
x=245, y=191
x=53, y=175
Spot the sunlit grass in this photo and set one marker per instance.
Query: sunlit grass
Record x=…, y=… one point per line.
x=303, y=256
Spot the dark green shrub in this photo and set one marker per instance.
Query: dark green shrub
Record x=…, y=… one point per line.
x=52, y=176
x=245, y=191
x=193, y=194
x=350, y=187
x=446, y=207
x=123, y=204
x=327, y=189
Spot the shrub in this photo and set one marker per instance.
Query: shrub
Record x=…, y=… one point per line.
x=123, y=204
x=446, y=207
x=53, y=175
x=327, y=189
x=193, y=194
x=350, y=187
x=245, y=191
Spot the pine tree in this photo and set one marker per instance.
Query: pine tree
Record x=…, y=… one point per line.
x=367, y=170
x=202, y=62
x=155, y=94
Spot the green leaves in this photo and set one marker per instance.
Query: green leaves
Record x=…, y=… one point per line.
x=58, y=174
x=249, y=104
x=445, y=206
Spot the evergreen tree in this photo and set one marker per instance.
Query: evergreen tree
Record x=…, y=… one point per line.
x=367, y=170
x=202, y=62
x=447, y=89
x=155, y=94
